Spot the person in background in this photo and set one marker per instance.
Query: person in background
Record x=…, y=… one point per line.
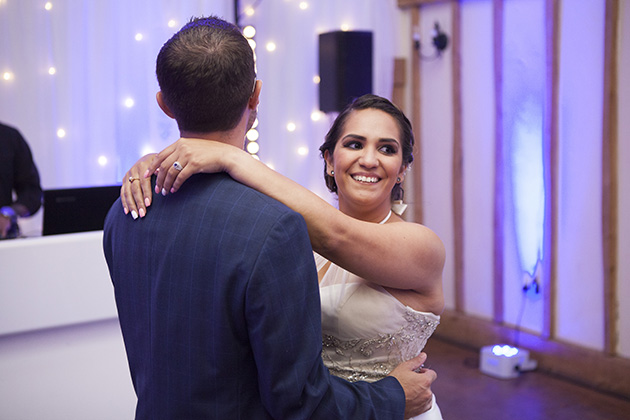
x=18, y=177
x=380, y=276
x=217, y=290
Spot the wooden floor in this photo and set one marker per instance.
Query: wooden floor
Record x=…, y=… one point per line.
x=464, y=393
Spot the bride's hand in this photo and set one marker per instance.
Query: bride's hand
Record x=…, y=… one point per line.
x=186, y=157
x=135, y=192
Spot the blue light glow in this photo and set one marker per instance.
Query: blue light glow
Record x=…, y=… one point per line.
x=528, y=186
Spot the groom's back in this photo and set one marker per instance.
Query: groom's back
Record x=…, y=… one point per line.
x=188, y=279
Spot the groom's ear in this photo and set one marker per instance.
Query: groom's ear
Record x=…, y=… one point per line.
x=254, y=99
x=163, y=106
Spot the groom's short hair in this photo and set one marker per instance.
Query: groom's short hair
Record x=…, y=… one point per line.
x=206, y=73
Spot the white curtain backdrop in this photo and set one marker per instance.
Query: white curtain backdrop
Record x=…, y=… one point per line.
x=77, y=78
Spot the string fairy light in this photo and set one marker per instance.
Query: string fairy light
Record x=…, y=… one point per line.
x=142, y=34
x=249, y=31
x=252, y=134
x=317, y=115
x=253, y=147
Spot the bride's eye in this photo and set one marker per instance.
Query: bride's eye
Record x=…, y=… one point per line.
x=389, y=150
x=353, y=145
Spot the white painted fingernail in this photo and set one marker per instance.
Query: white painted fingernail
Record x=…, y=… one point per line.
x=163, y=191
x=134, y=214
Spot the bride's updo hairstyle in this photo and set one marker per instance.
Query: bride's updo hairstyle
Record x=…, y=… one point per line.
x=370, y=102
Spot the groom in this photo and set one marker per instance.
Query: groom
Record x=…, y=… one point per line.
x=217, y=290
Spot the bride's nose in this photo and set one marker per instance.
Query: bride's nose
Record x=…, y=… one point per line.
x=368, y=158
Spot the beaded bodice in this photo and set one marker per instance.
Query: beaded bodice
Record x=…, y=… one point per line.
x=366, y=331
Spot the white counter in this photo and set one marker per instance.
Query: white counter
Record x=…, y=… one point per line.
x=54, y=281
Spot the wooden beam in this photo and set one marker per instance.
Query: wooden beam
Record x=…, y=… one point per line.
x=550, y=165
x=400, y=82
x=404, y=4
x=416, y=121
x=498, y=307
x=610, y=225
x=458, y=157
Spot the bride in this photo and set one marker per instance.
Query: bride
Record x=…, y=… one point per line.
x=380, y=276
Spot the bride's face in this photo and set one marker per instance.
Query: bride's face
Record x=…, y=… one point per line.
x=367, y=161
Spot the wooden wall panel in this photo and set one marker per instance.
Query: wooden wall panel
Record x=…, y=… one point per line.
x=458, y=157
x=610, y=200
x=608, y=373
x=498, y=309
x=550, y=148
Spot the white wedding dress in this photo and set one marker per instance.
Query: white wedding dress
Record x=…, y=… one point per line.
x=366, y=331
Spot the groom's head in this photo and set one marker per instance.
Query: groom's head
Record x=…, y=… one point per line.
x=206, y=74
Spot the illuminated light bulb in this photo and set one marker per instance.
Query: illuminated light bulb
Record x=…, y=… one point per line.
x=317, y=79
x=249, y=11
x=303, y=5
x=302, y=151
x=345, y=27
x=7, y=75
x=249, y=31
x=504, y=350
x=271, y=46
x=129, y=102
x=102, y=160
x=253, y=147
x=171, y=23
x=52, y=70
x=48, y=5
x=61, y=133
x=252, y=135
x=139, y=36
x=291, y=127
x=252, y=43
x=316, y=115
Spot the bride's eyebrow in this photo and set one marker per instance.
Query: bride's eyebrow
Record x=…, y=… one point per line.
x=353, y=136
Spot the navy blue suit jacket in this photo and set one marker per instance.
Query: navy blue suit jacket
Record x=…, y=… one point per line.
x=218, y=302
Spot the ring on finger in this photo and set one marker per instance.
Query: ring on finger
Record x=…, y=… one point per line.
x=177, y=166
x=131, y=179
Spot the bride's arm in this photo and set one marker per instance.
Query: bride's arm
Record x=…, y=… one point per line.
x=399, y=255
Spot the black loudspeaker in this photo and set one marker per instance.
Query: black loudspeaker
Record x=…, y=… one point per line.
x=345, y=68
